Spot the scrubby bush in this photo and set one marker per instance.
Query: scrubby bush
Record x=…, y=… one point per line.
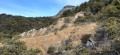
x=6, y=36
x=34, y=51
x=80, y=20
x=89, y=17
x=108, y=53
x=67, y=13
x=51, y=50
x=85, y=38
x=17, y=48
x=116, y=46
x=81, y=51
x=69, y=46
x=112, y=26
x=12, y=46
x=109, y=10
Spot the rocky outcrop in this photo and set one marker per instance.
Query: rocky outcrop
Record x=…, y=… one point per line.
x=24, y=34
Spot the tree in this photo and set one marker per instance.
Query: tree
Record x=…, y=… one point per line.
x=67, y=13
x=116, y=2
x=112, y=27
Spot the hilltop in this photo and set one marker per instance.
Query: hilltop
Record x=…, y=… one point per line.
x=68, y=7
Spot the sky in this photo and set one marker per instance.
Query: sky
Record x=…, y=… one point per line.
x=35, y=8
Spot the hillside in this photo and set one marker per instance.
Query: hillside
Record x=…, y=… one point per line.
x=91, y=28
x=93, y=31
x=14, y=25
x=57, y=33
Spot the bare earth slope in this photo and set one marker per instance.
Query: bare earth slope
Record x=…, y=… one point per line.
x=56, y=33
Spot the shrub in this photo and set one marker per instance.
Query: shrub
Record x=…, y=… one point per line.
x=80, y=19
x=16, y=47
x=108, y=53
x=51, y=50
x=85, y=38
x=6, y=36
x=67, y=13
x=69, y=46
x=112, y=27
x=116, y=45
x=60, y=49
x=81, y=50
x=35, y=50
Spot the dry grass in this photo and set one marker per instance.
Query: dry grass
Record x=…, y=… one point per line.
x=1, y=45
x=38, y=39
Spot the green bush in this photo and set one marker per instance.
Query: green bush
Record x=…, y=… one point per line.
x=112, y=26
x=85, y=38
x=80, y=19
x=69, y=46
x=6, y=36
x=15, y=47
x=51, y=50
x=18, y=48
x=116, y=46
x=14, y=25
x=81, y=51
x=35, y=50
x=67, y=13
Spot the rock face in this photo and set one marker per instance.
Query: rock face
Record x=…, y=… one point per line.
x=68, y=7
x=24, y=34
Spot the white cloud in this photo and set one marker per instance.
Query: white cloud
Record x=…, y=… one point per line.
x=70, y=2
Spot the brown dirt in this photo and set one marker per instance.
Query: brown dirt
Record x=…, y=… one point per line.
x=1, y=45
